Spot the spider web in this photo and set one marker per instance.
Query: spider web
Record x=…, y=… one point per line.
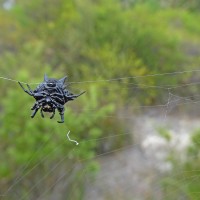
x=135, y=169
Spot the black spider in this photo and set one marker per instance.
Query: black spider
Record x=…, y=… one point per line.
x=50, y=95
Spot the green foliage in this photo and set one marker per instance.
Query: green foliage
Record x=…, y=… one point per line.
x=103, y=40
x=187, y=170
x=163, y=132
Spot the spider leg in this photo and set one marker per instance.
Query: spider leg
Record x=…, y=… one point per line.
x=28, y=92
x=41, y=112
x=38, y=103
x=79, y=94
x=34, y=106
x=29, y=88
x=40, y=95
x=60, y=108
x=34, y=112
x=61, y=112
x=58, y=99
x=56, y=104
x=72, y=97
x=58, y=94
x=53, y=113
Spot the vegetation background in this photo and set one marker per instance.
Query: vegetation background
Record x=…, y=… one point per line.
x=90, y=40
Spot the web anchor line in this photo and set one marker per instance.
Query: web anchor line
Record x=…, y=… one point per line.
x=116, y=79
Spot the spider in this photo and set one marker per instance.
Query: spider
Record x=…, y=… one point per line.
x=50, y=95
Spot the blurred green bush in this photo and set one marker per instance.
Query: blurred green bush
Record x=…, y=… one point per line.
x=183, y=181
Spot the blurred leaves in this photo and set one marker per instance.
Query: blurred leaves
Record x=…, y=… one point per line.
x=187, y=170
